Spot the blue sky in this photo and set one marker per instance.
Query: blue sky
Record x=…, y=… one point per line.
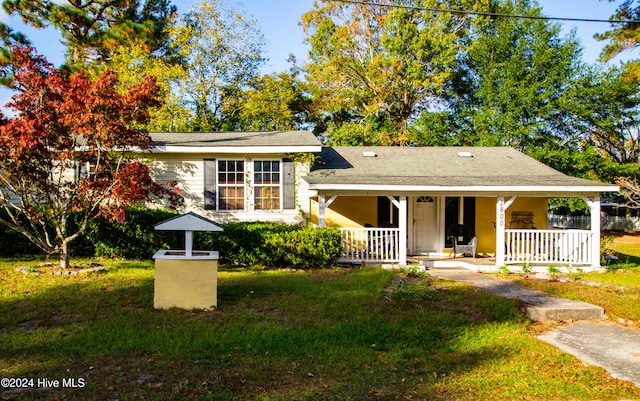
x=278, y=20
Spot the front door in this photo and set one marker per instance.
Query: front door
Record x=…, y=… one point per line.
x=424, y=224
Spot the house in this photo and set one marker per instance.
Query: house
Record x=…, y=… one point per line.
x=389, y=202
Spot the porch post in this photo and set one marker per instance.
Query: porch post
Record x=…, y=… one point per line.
x=402, y=225
x=594, y=208
x=500, y=226
x=323, y=204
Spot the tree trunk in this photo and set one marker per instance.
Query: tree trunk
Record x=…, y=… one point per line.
x=64, y=255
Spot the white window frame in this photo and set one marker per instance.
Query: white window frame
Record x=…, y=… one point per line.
x=279, y=185
x=219, y=185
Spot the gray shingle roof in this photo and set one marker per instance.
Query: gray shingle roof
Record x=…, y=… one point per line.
x=235, y=139
x=438, y=167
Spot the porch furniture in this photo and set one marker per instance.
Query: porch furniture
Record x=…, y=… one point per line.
x=463, y=242
x=469, y=247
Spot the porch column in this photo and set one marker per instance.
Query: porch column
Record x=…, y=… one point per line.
x=323, y=204
x=594, y=208
x=402, y=225
x=500, y=226
x=501, y=212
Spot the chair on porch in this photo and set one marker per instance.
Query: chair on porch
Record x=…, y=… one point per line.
x=463, y=242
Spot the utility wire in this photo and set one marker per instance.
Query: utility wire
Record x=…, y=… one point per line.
x=484, y=14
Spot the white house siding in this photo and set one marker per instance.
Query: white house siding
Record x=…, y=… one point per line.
x=188, y=170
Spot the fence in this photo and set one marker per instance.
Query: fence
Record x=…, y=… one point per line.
x=613, y=223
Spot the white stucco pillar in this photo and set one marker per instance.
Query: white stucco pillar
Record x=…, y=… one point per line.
x=500, y=227
x=594, y=208
x=402, y=225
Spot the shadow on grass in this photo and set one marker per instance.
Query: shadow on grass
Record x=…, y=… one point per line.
x=297, y=336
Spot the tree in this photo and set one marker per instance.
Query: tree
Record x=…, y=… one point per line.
x=133, y=64
x=93, y=29
x=272, y=102
x=622, y=35
x=67, y=151
x=513, y=84
x=221, y=52
x=379, y=65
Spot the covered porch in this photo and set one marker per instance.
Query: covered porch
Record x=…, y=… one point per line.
x=389, y=245
x=431, y=189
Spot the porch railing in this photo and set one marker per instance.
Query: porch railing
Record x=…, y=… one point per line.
x=370, y=245
x=549, y=246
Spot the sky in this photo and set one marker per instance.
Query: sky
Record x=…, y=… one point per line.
x=279, y=22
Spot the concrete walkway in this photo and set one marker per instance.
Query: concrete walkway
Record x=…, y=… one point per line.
x=612, y=347
x=537, y=305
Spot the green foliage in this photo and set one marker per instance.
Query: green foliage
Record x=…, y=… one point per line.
x=93, y=29
x=274, y=245
x=606, y=247
x=220, y=49
x=272, y=102
x=134, y=238
x=255, y=244
x=372, y=63
x=622, y=36
x=307, y=248
x=511, y=84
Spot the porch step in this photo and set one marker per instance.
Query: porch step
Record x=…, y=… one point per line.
x=537, y=305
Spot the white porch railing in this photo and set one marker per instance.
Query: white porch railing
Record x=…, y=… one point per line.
x=370, y=245
x=549, y=246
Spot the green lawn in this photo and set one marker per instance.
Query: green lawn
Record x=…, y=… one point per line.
x=280, y=335
x=620, y=296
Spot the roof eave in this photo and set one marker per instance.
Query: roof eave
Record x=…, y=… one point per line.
x=237, y=149
x=484, y=190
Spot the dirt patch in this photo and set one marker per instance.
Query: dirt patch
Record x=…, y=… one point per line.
x=623, y=237
x=55, y=270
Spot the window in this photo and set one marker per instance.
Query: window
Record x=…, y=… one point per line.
x=91, y=170
x=266, y=191
x=230, y=185
x=271, y=186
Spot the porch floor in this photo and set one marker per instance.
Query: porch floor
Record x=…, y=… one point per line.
x=444, y=261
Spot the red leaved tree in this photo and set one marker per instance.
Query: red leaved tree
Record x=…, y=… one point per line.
x=68, y=152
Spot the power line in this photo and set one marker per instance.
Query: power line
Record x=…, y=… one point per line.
x=485, y=14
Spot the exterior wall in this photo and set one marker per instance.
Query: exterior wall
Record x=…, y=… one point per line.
x=485, y=228
x=348, y=211
x=188, y=170
x=486, y=217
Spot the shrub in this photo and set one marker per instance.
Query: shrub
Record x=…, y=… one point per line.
x=133, y=239
x=274, y=245
x=242, y=244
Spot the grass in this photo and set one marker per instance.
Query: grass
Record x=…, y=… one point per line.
x=620, y=294
x=280, y=335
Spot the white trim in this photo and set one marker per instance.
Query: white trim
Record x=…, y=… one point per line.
x=245, y=207
x=402, y=225
x=279, y=186
x=232, y=149
x=466, y=190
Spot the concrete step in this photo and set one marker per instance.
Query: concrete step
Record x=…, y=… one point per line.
x=537, y=305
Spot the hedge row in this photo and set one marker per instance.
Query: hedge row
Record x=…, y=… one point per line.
x=241, y=244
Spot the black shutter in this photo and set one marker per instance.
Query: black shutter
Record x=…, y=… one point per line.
x=288, y=184
x=210, y=169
